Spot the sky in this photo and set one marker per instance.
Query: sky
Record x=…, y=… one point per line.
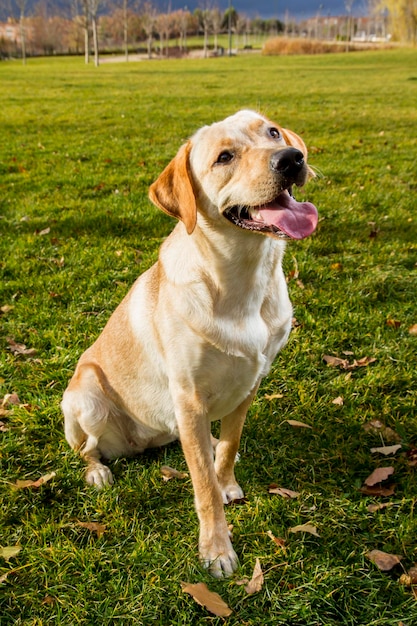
x=297, y=9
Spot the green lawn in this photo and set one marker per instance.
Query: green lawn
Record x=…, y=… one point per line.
x=79, y=148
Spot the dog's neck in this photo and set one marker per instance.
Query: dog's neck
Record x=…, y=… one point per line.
x=241, y=274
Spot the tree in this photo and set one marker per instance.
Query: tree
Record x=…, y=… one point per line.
x=22, y=9
x=402, y=18
x=93, y=6
x=149, y=15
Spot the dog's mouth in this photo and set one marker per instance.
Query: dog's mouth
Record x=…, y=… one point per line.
x=283, y=217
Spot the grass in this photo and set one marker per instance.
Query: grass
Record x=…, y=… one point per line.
x=79, y=148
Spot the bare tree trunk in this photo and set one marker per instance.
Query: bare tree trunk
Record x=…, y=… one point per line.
x=22, y=6
x=86, y=32
x=125, y=30
x=22, y=36
x=95, y=40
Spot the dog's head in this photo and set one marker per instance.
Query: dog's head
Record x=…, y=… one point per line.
x=240, y=172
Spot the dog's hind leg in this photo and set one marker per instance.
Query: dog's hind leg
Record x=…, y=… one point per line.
x=86, y=413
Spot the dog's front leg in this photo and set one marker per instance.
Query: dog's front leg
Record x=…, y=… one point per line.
x=216, y=551
x=227, y=449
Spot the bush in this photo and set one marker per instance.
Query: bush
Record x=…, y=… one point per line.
x=290, y=45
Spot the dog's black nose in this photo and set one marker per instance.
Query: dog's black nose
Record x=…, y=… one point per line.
x=288, y=162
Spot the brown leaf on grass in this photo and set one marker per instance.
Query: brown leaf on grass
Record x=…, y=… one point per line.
x=169, y=472
x=282, y=491
x=334, y=361
x=209, y=599
x=378, y=490
x=93, y=527
x=383, y=560
x=6, y=308
x=10, y=398
x=393, y=323
x=9, y=552
x=43, y=232
x=297, y=424
x=3, y=427
x=411, y=456
x=23, y=484
x=20, y=348
x=378, y=476
x=305, y=528
x=338, y=401
x=48, y=600
x=256, y=582
x=273, y=396
x=363, y=362
x=413, y=329
x=376, y=427
x=386, y=450
x=372, y=508
x=410, y=579
x=281, y=543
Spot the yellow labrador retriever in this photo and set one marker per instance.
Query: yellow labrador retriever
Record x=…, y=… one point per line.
x=191, y=341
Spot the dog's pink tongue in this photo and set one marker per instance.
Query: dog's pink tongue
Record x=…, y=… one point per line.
x=295, y=219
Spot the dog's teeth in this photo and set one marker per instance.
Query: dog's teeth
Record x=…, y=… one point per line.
x=255, y=215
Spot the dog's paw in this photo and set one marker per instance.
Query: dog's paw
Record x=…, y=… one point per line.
x=231, y=492
x=220, y=565
x=99, y=475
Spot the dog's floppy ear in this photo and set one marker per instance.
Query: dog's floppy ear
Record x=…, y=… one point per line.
x=292, y=139
x=173, y=191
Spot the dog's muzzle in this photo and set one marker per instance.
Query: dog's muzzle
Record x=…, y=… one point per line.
x=282, y=217
x=289, y=163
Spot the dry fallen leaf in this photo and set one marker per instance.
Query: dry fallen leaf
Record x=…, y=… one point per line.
x=94, y=527
x=393, y=323
x=9, y=552
x=22, y=484
x=10, y=398
x=297, y=424
x=273, y=396
x=411, y=457
x=379, y=475
x=378, y=490
x=383, y=560
x=282, y=491
x=257, y=580
x=386, y=450
x=338, y=401
x=209, y=599
x=372, y=508
x=410, y=578
x=277, y=540
x=305, y=528
x=169, y=472
x=334, y=361
x=6, y=308
x=376, y=427
x=20, y=348
x=43, y=232
x=413, y=329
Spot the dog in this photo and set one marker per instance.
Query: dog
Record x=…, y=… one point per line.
x=192, y=340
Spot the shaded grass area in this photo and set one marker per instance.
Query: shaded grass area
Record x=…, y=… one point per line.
x=79, y=149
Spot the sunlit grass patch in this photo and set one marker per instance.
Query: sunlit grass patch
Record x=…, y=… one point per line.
x=79, y=149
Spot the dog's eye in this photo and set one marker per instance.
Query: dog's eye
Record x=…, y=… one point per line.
x=275, y=134
x=224, y=157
